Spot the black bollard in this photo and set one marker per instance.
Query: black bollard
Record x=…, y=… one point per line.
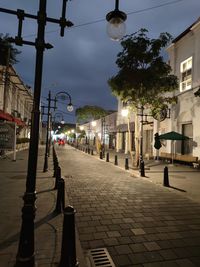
x=107, y=157
x=58, y=176
x=116, y=161
x=92, y=153
x=126, y=164
x=88, y=150
x=166, y=177
x=101, y=155
x=142, y=172
x=55, y=166
x=60, y=201
x=68, y=250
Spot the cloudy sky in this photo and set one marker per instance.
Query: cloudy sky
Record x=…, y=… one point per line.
x=83, y=60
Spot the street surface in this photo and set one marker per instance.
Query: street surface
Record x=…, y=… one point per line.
x=140, y=222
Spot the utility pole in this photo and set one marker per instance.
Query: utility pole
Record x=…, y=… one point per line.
x=45, y=169
x=26, y=248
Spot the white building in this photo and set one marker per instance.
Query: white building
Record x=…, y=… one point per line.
x=184, y=55
x=101, y=131
x=16, y=100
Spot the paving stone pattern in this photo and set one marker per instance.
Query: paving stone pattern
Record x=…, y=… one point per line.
x=139, y=222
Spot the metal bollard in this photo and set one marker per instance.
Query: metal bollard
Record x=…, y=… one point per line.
x=126, y=164
x=68, y=250
x=60, y=201
x=142, y=172
x=166, y=177
x=101, y=155
x=92, y=153
x=107, y=157
x=88, y=151
x=116, y=161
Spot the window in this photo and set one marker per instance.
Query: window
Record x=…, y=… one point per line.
x=186, y=74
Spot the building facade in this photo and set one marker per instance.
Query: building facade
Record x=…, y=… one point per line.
x=16, y=101
x=101, y=131
x=184, y=59
x=184, y=55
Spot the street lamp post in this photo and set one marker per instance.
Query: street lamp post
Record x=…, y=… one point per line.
x=26, y=250
x=141, y=161
x=69, y=108
x=47, y=150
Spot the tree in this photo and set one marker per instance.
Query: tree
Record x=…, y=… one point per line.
x=144, y=77
x=8, y=53
x=88, y=113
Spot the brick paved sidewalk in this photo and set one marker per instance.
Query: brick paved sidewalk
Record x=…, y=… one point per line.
x=182, y=178
x=140, y=223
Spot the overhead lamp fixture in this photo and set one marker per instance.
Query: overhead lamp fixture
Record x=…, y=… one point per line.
x=62, y=94
x=70, y=107
x=94, y=123
x=116, y=28
x=124, y=112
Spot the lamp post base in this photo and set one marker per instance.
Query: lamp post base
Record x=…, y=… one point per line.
x=26, y=255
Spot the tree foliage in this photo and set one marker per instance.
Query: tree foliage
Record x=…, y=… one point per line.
x=143, y=75
x=88, y=113
x=7, y=51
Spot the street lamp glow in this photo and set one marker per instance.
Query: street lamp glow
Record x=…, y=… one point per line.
x=72, y=131
x=81, y=128
x=62, y=122
x=124, y=112
x=94, y=123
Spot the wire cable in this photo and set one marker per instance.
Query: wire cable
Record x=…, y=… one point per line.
x=129, y=13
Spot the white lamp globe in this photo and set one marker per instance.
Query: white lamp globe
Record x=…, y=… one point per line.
x=124, y=112
x=94, y=123
x=70, y=107
x=116, y=28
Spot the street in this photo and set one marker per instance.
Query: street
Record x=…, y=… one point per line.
x=139, y=222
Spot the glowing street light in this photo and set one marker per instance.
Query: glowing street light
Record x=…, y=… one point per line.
x=124, y=112
x=94, y=123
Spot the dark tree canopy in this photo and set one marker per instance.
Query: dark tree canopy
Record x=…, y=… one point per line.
x=7, y=52
x=143, y=75
x=88, y=113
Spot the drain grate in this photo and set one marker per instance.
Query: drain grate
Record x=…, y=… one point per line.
x=100, y=257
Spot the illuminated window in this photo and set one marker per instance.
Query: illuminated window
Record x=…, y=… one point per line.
x=186, y=74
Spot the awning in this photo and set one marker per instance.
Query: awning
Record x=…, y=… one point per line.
x=173, y=136
x=5, y=116
x=18, y=122
x=8, y=117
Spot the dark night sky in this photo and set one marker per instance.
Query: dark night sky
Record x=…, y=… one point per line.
x=83, y=61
